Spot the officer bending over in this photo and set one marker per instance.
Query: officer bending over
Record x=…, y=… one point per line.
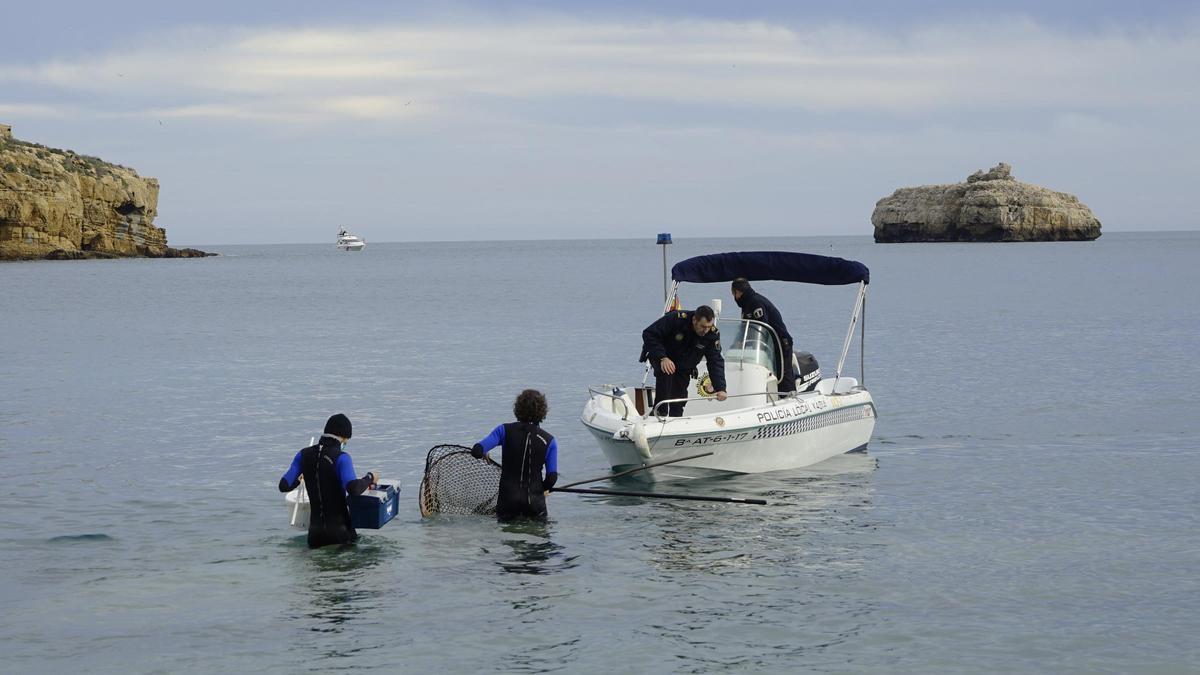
x=674, y=346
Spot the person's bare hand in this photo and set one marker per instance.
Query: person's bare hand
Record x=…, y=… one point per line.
x=721, y=396
x=667, y=365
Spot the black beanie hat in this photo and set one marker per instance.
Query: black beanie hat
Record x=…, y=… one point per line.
x=338, y=425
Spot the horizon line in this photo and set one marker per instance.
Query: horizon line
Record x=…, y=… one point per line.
x=543, y=239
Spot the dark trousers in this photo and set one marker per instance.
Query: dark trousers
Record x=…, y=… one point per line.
x=671, y=386
x=520, y=501
x=788, y=382
x=536, y=511
x=335, y=530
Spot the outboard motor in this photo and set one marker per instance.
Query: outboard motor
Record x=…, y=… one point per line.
x=808, y=373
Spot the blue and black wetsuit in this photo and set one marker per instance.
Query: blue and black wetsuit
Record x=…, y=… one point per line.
x=526, y=448
x=328, y=476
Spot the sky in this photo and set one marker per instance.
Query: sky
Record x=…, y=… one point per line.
x=278, y=122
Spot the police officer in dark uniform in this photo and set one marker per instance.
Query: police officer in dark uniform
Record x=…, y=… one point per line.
x=757, y=307
x=328, y=477
x=674, y=346
x=526, y=449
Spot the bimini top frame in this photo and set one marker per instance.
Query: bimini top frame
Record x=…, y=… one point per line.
x=804, y=268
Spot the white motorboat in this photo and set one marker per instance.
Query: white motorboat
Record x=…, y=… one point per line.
x=349, y=242
x=754, y=429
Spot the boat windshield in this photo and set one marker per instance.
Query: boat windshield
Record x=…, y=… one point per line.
x=746, y=341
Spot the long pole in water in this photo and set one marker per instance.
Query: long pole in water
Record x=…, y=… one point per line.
x=635, y=469
x=658, y=495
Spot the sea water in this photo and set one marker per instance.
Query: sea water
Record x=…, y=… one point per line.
x=1029, y=502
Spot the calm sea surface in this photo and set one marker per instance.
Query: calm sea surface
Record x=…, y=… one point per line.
x=1030, y=501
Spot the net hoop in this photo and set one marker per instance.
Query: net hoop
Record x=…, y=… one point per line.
x=457, y=483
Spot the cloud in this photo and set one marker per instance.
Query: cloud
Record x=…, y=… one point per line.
x=316, y=75
x=554, y=126
x=31, y=110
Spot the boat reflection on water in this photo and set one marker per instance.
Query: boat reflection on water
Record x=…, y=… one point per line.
x=791, y=576
x=805, y=509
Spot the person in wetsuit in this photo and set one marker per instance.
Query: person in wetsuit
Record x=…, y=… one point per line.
x=328, y=477
x=674, y=346
x=525, y=449
x=757, y=307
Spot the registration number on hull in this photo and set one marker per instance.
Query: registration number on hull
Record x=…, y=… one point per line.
x=705, y=440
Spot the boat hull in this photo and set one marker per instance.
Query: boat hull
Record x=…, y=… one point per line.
x=789, y=434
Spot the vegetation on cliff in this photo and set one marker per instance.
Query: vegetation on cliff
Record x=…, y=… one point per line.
x=62, y=205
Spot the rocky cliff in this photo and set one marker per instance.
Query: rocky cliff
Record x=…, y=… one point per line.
x=58, y=204
x=989, y=206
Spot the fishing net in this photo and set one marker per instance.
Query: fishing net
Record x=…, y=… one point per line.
x=455, y=482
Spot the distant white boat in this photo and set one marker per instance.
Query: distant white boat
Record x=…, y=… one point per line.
x=349, y=242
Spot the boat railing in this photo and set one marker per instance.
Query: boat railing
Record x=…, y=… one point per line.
x=667, y=401
x=595, y=391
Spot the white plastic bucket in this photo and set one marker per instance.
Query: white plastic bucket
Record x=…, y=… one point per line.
x=297, y=506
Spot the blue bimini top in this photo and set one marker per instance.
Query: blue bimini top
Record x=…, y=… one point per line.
x=805, y=268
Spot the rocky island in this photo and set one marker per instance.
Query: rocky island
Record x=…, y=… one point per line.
x=56, y=204
x=989, y=206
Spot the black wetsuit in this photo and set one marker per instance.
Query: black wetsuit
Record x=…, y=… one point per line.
x=328, y=476
x=525, y=448
x=674, y=337
x=757, y=307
